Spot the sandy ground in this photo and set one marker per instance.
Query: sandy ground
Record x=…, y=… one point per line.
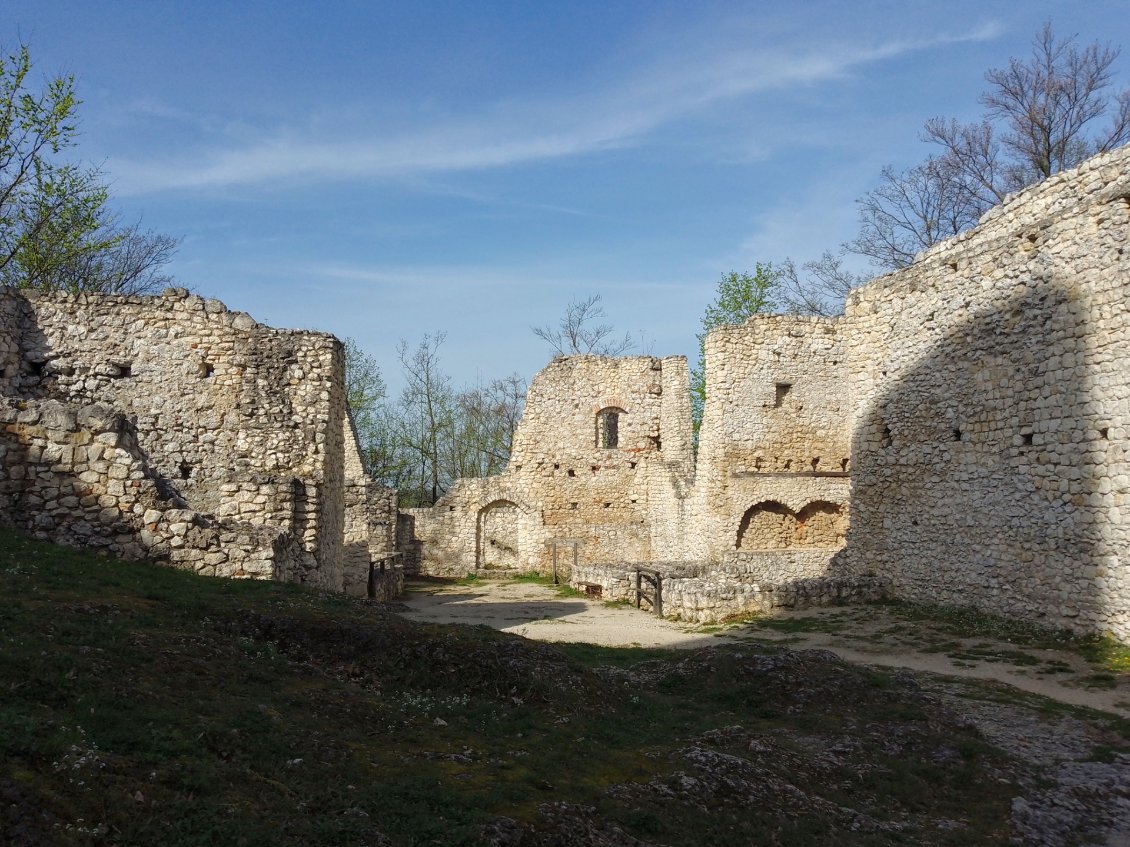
x=538, y=612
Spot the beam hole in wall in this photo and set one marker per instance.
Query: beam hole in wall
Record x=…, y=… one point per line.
x=1026, y=439
x=556, y=466
x=123, y=370
x=1103, y=433
x=573, y=507
x=656, y=442
x=885, y=436
x=844, y=465
x=952, y=266
x=815, y=462
x=956, y=434
x=781, y=391
x=631, y=466
x=185, y=470
x=608, y=505
x=207, y=370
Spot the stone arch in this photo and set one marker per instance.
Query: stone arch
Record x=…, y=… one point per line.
x=767, y=525
x=771, y=525
x=821, y=523
x=499, y=535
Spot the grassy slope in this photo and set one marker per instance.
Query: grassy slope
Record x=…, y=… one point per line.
x=140, y=706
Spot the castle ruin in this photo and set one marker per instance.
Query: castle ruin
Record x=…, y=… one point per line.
x=172, y=429
x=958, y=436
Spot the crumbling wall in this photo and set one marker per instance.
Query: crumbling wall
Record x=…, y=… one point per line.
x=991, y=390
x=76, y=476
x=600, y=457
x=370, y=521
x=239, y=423
x=774, y=447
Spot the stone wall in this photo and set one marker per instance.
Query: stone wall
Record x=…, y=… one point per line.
x=990, y=386
x=238, y=424
x=699, y=593
x=969, y=414
x=620, y=497
x=775, y=443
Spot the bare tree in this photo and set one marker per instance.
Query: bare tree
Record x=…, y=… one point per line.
x=426, y=412
x=913, y=210
x=1042, y=117
x=578, y=331
x=819, y=288
x=131, y=262
x=489, y=415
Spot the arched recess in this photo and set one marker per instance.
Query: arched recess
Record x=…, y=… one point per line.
x=821, y=524
x=767, y=525
x=499, y=533
x=770, y=525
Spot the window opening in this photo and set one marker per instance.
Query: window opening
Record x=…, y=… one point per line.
x=608, y=428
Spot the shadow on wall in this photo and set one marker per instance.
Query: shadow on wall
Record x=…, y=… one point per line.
x=977, y=468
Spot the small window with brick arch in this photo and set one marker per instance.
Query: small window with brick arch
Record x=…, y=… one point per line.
x=608, y=427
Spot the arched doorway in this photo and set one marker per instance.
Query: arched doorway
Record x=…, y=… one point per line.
x=499, y=533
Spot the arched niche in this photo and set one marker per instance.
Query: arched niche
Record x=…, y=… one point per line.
x=499, y=535
x=770, y=525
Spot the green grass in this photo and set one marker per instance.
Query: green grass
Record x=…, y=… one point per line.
x=939, y=629
x=563, y=588
x=141, y=705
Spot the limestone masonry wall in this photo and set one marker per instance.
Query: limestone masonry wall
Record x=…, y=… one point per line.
x=775, y=443
x=211, y=414
x=600, y=458
x=990, y=387
x=959, y=436
x=969, y=414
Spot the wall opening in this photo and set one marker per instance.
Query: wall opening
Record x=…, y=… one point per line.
x=781, y=392
x=608, y=427
x=499, y=525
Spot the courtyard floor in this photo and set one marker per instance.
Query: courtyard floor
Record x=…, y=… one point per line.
x=874, y=635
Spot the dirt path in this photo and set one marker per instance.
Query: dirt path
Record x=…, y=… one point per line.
x=871, y=635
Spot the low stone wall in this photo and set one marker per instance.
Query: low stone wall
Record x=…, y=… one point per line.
x=388, y=584
x=712, y=599
x=775, y=566
x=702, y=593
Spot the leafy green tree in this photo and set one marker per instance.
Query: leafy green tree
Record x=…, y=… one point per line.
x=55, y=228
x=738, y=296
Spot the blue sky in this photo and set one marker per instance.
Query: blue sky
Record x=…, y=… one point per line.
x=383, y=170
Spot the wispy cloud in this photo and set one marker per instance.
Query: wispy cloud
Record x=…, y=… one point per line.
x=517, y=132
